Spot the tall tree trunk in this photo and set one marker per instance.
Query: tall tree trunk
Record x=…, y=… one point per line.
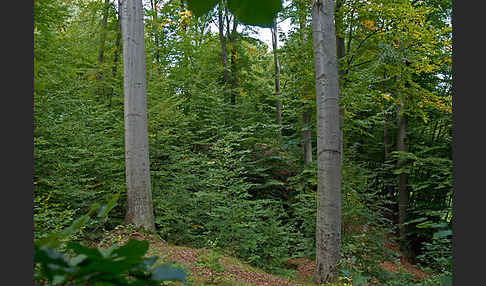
x=306, y=124
x=328, y=224
x=224, y=54
x=101, y=51
x=139, y=195
x=234, y=78
x=403, y=194
x=277, y=73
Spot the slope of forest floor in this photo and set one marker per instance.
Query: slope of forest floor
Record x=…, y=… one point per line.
x=208, y=267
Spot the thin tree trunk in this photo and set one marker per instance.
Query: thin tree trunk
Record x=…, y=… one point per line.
x=104, y=22
x=139, y=195
x=307, y=135
x=403, y=194
x=277, y=74
x=234, y=78
x=306, y=125
x=153, y=3
x=328, y=224
x=387, y=137
x=116, y=55
x=101, y=51
x=224, y=57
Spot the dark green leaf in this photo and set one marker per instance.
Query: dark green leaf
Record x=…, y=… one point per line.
x=132, y=249
x=442, y=233
x=80, y=249
x=255, y=12
x=201, y=7
x=167, y=272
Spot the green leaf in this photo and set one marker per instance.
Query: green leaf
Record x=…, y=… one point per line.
x=446, y=280
x=80, y=249
x=78, y=259
x=442, y=233
x=255, y=12
x=105, y=209
x=420, y=219
x=133, y=249
x=201, y=7
x=167, y=272
x=58, y=279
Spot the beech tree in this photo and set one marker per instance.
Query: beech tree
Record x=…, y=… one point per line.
x=139, y=196
x=328, y=224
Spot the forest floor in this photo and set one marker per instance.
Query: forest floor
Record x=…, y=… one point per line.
x=208, y=267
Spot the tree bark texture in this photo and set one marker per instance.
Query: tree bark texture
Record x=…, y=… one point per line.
x=328, y=224
x=139, y=196
x=277, y=73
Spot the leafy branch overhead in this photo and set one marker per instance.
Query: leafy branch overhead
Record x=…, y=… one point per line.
x=249, y=12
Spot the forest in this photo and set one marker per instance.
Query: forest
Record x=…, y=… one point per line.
x=174, y=145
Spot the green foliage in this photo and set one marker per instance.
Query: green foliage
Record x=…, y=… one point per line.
x=125, y=265
x=114, y=266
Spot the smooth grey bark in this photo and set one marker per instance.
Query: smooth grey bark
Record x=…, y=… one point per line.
x=403, y=194
x=277, y=73
x=307, y=111
x=139, y=195
x=328, y=224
